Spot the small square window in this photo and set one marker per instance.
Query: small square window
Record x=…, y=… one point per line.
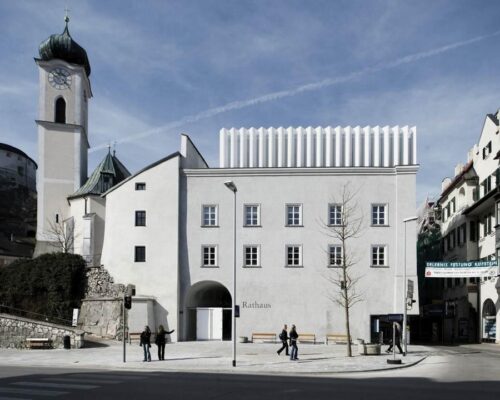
x=252, y=215
x=209, y=217
x=294, y=215
x=140, y=186
x=294, y=256
x=335, y=256
x=140, y=218
x=209, y=256
x=252, y=256
x=379, y=256
x=379, y=214
x=140, y=254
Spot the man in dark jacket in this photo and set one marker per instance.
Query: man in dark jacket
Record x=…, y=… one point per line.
x=146, y=343
x=293, y=343
x=284, y=340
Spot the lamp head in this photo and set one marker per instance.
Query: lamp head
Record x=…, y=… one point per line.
x=231, y=186
x=410, y=219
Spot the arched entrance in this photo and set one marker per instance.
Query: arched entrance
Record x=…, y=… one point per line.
x=208, y=312
x=489, y=320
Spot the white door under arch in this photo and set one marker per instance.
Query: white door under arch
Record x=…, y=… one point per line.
x=208, y=323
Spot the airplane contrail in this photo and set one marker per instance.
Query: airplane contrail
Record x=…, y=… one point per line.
x=239, y=104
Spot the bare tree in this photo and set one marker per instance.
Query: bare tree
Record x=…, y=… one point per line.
x=62, y=233
x=347, y=225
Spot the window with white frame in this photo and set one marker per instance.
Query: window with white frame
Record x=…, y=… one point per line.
x=379, y=214
x=209, y=217
x=209, y=256
x=379, y=256
x=293, y=214
x=335, y=256
x=251, y=256
x=335, y=214
x=252, y=215
x=294, y=255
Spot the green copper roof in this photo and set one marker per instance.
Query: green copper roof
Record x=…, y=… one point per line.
x=63, y=47
x=107, y=174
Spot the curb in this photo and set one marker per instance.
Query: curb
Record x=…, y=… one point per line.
x=224, y=371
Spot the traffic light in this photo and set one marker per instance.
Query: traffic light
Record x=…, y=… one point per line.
x=128, y=302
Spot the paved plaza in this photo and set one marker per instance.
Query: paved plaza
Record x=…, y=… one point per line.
x=215, y=357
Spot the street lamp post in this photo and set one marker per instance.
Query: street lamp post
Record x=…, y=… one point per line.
x=405, y=300
x=232, y=187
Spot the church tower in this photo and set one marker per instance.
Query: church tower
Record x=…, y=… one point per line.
x=64, y=91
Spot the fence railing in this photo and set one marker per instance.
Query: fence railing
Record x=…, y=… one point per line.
x=33, y=315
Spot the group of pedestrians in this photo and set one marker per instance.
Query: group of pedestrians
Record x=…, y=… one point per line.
x=285, y=337
x=159, y=341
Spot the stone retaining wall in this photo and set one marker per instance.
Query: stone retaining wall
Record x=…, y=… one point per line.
x=14, y=331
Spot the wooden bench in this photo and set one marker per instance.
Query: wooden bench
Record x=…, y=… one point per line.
x=39, y=343
x=307, y=338
x=336, y=338
x=265, y=337
x=137, y=336
x=134, y=336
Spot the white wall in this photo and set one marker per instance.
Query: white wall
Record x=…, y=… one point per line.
x=157, y=277
x=299, y=295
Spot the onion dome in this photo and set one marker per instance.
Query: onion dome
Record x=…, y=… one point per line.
x=63, y=47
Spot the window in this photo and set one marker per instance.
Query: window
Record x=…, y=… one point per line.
x=106, y=182
x=379, y=256
x=379, y=214
x=335, y=214
x=20, y=171
x=487, y=224
x=140, y=254
x=472, y=230
x=252, y=215
x=487, y=150
x=251, y=256
x=453, y=207
x=140, y=218
x=209, y=217
x=60, y=116
x=335, y=256
x=209, y=256
x=294, y=215
x=140, y=186
x=486, y=185
x=498, y=213
x=293, y=256
x=462, y=234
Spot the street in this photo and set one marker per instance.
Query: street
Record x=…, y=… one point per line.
x=461, y=372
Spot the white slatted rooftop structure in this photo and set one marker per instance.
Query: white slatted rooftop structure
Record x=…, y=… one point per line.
x=318, y=147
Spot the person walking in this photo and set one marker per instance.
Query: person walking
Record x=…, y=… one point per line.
x=397, y=339
x=146, y=343
x=284, y=340
x=293, y=344
x=161, y=340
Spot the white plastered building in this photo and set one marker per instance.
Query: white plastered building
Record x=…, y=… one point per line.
x=288, y=180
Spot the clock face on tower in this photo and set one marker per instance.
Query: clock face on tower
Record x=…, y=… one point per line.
x=60, y=78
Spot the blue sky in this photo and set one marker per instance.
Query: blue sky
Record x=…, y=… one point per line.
x=161, y=68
